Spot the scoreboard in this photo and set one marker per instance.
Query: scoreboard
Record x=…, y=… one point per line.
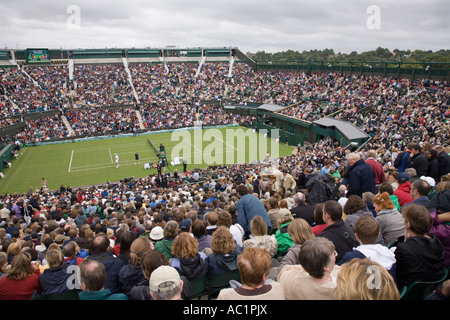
x=38, y=56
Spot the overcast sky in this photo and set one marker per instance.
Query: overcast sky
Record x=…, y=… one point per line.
x=250, y=25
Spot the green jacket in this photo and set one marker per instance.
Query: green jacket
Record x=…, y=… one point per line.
x=104, y=294
x=164, y=246
x=394, y=199
x=284, y=240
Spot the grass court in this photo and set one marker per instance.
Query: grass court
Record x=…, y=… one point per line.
x=91, y=162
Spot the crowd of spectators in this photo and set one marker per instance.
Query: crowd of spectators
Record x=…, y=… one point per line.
x=91, y=120
x=121, y=224
x=290, y=222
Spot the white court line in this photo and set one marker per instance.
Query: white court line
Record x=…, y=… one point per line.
x=110, y=156
x=227, y=143
x=70, y=163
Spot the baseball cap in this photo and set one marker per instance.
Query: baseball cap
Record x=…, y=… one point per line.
x=164, y=274
x=185, y=224
x=403, y=177
x=429, y=180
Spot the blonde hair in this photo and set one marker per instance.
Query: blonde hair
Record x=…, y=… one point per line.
x=185, y=246
x=355, y=281
x=383, y=200
x=258, y=226
x=138, y=247
x=21, y=267
x=54, y=258
x=300, y=231
x=443, y=185
x=222, y=241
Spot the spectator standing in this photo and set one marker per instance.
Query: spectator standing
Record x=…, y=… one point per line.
x=249, y=206
x=418, y=161
x=376, y=166
x=361, y=177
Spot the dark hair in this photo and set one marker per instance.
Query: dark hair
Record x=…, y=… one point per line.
x=99, y=244
x=198, y=228
x=333, y=209
x=386, y=187
x=417, y=147
x=353, y=204
x=318, y=214
x=242, y=190
x=422, y=187
x=418, y=217
x=367, y=229
x=315, y=256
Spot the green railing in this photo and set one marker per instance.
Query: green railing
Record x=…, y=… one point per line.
x=432, y=70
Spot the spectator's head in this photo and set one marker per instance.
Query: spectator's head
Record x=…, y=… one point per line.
x=419, y=188
x=386, y=187
x=20, y=267
x=300, y=231
x=354, y=282
x=224, y=219
x=411, y=172
x=71, y=249
x=92, y=275
x=100, y=243
x=416, y=149
x=165, y=283
x=254, y=266
x=366, y=230
x=241, y=190
x=417, y=220
x=55, y=258
x=222, y=241
x=318, y=257
x=258, y=226
x=198, y=228
x=139, y=246
x=299, y=198
x=403, y=177
x=352, y=158
x=185, y=246
x=171, y=229
x=332, y=211
x=382, y=201
x=318, y=214
x=354, y=204
x=151, y=260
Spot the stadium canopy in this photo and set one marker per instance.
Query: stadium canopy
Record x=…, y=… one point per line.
x=346, y=128
x=270, y=107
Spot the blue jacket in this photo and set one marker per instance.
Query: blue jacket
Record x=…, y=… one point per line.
x=112, y=265
x=221, y=263
x=361, y=179
x=248, y=207
x=55, y=280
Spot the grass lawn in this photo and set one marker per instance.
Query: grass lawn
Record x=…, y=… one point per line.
x=91, y=162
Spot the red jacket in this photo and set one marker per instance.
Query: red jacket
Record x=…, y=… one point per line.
x=403, y=194
x=377, y=168
x=20, y=289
